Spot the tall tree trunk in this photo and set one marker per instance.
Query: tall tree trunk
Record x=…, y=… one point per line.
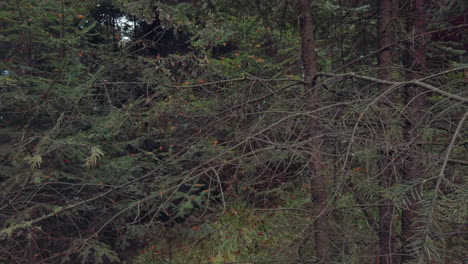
x=386, y=177
x=415, y=100
x=317, y=179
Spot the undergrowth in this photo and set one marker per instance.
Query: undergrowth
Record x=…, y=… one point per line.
x=239, y=232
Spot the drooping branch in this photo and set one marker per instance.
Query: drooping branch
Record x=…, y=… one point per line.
x=6, y=232
x=417, y=82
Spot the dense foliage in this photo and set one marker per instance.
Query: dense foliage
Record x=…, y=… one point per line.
x=178, y=132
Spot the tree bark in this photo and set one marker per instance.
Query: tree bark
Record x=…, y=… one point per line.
x=386, y=176
x=415, y=100
x=317, y=179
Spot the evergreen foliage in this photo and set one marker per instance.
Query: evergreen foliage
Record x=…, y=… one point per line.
x=177, y=132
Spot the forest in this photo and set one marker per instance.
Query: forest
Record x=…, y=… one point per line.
x=233, y=131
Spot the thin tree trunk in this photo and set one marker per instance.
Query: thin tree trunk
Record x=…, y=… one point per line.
x=317, y=180
x=415, y=100
x=386, y=179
